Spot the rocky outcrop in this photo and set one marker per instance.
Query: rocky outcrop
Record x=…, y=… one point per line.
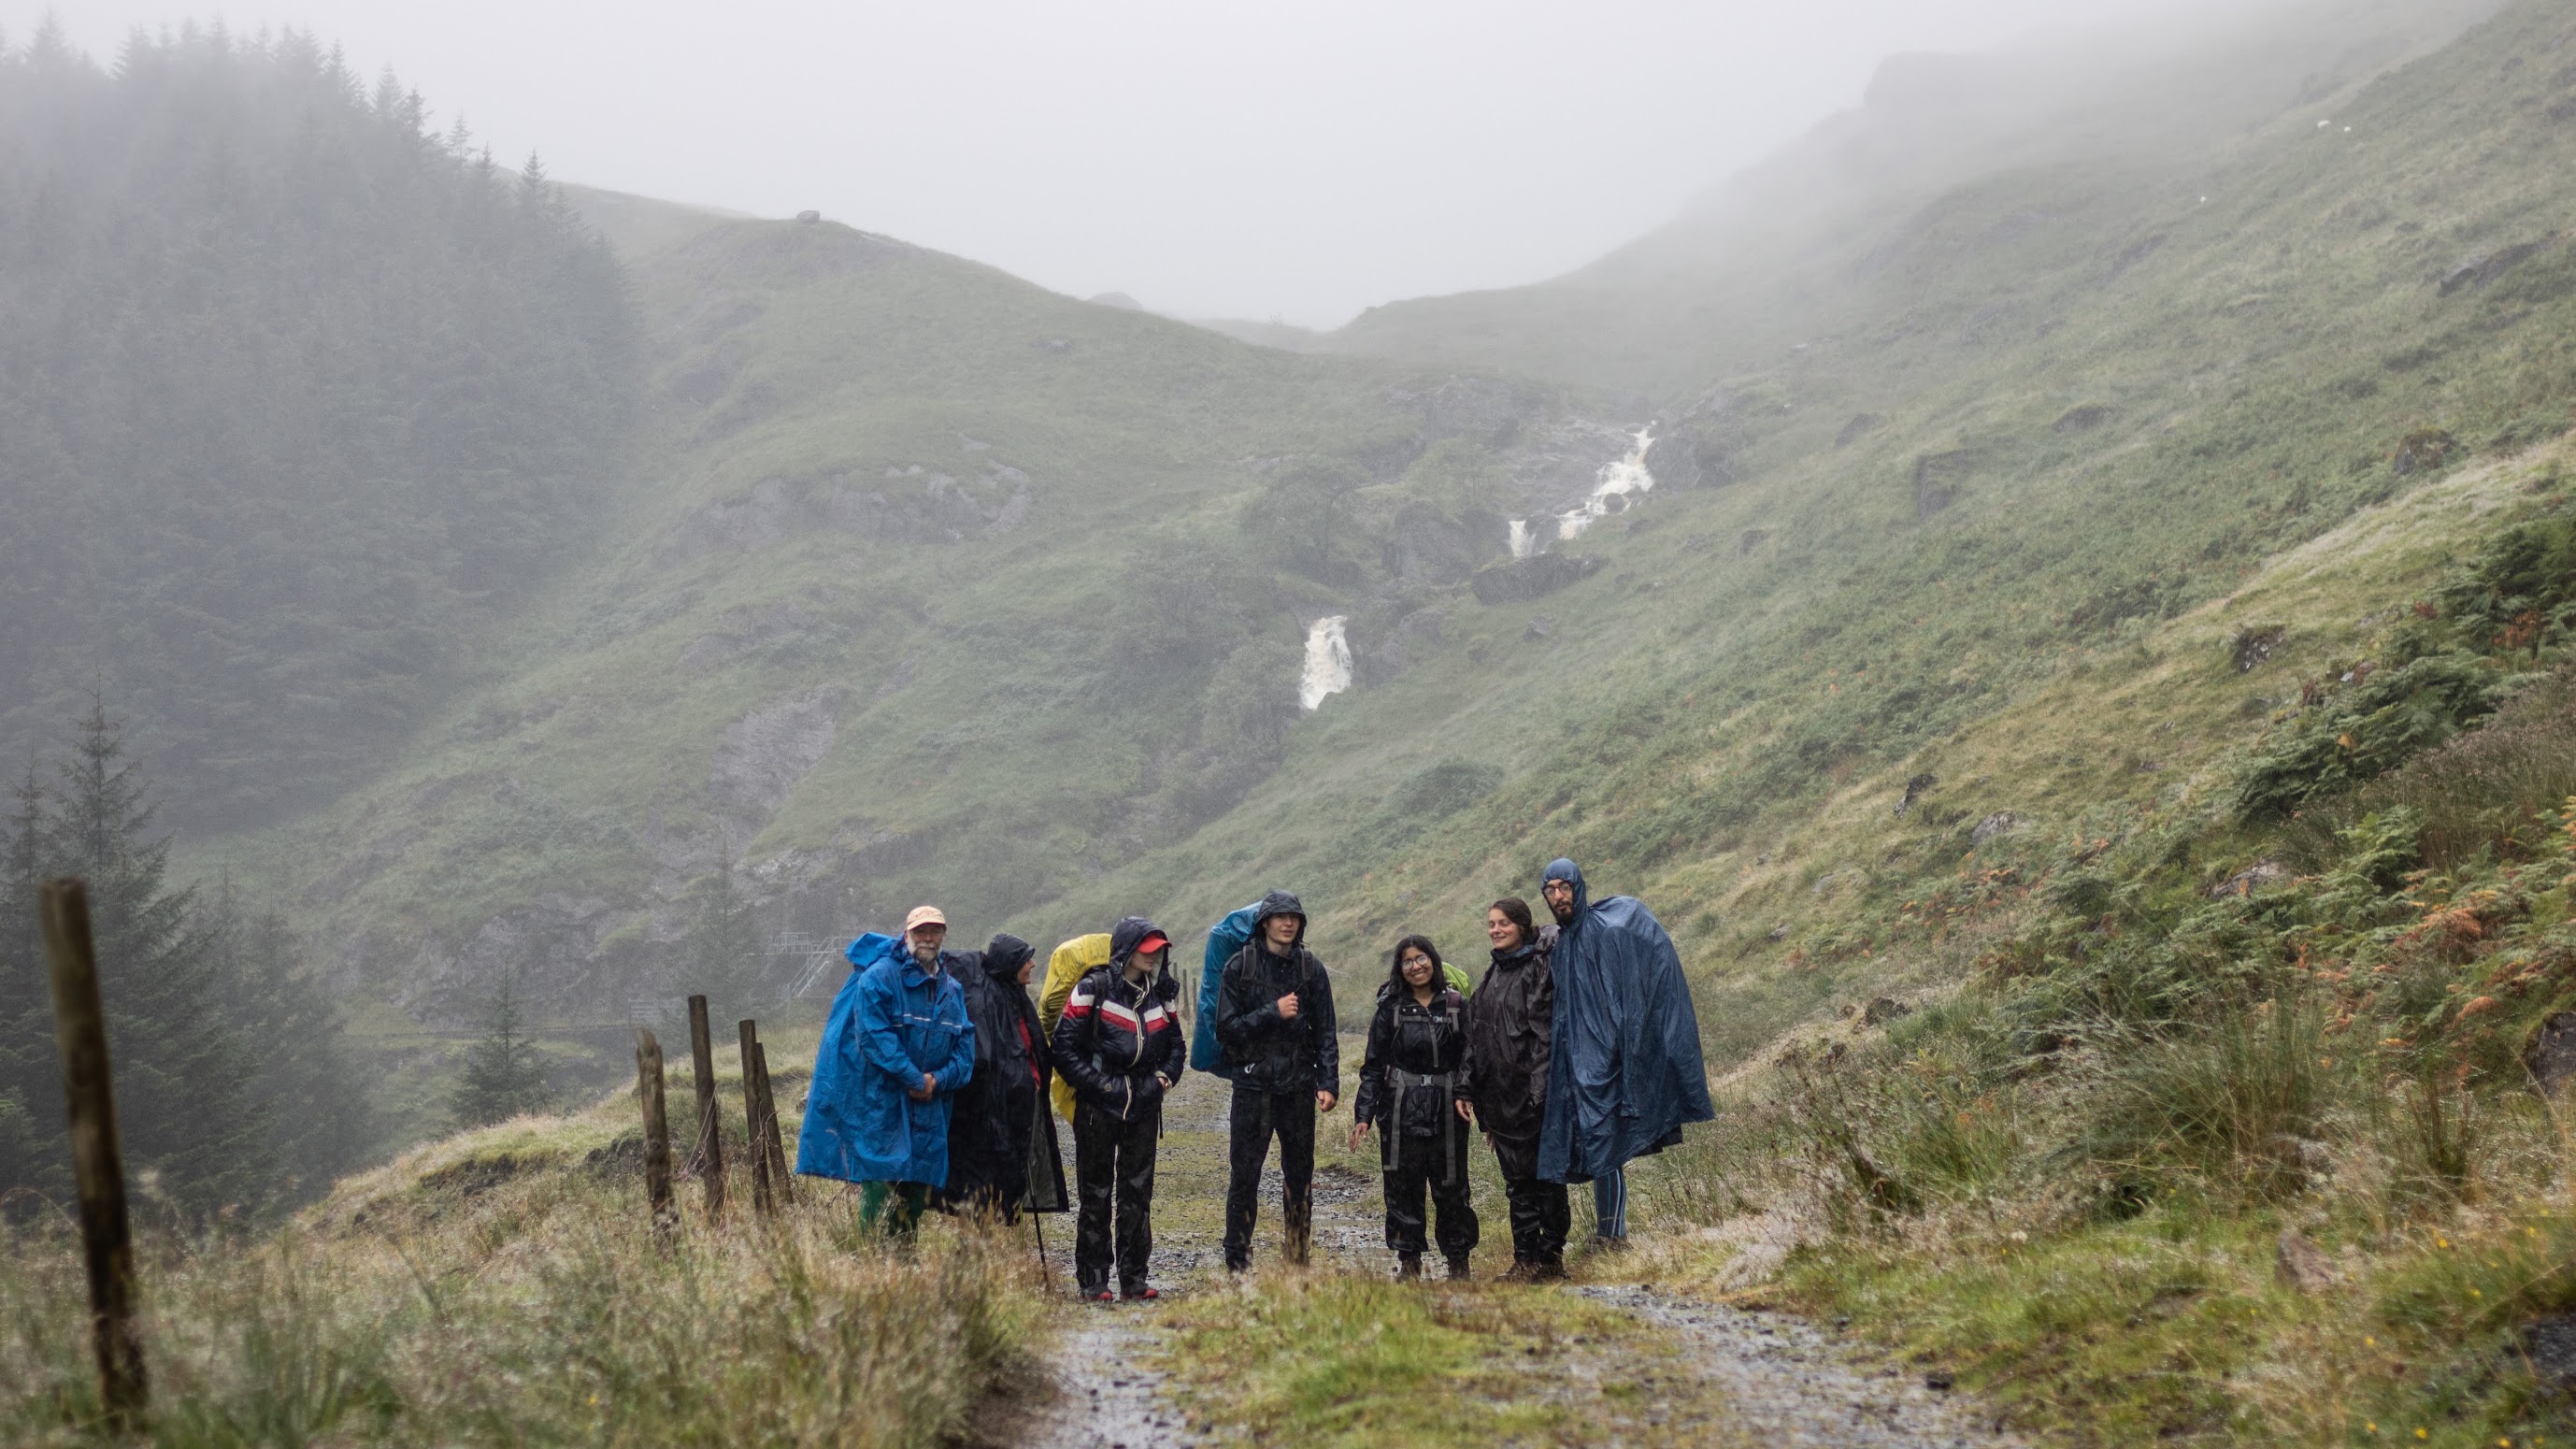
x=913, y=504
x=1486, y=410
x=763, y=755
x=1426, y=548
x=1693, y=457
x=1531, y=578
x=1937, y=477
x=1994, y=827
x=2550, y=1055
x=2479, y=270
x=1412, y=639
x=2251, y=879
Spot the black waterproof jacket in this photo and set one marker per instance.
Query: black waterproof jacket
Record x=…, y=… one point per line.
x=991, y=1154
x=1268, y=1051
x=1408, y=1043
x=1509, y=1021
x=1116, y=1035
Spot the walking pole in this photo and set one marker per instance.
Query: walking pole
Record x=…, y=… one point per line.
x=1046, y=1275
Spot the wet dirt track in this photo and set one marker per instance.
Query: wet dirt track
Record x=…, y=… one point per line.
x=1722, y=1375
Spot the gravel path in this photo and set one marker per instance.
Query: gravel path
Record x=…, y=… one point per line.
x=1785, y=1382
x=1096, y=1406
x=1738, y=1376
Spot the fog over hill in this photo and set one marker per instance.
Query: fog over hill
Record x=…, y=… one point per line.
x=875, y=574
x=2154, y=103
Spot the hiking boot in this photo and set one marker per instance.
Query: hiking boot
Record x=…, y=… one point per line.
x=1522, y=1270
x=1098, y=1295
x=1408, y=1267
x=1139, y=1294
x=1550, y=1269
x=1457, y=1270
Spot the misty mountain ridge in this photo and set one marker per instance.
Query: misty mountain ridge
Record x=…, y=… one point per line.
x=2149, y=103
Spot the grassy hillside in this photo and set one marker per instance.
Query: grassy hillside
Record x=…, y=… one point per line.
x=503, y=1287
x=930, y=584
x=2110, y=446
x=1045, y=678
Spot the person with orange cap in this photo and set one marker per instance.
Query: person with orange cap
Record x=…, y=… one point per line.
x=895, y=1050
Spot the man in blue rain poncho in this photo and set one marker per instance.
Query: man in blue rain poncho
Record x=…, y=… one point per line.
x=1624, y=1068
x=897, y=1047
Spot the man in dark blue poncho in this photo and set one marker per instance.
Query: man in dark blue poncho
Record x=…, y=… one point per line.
x=1624, y=1068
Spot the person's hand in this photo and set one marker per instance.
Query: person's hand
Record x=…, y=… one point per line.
x=1288, y=1007
x=923, y=1093
x=1324, y=1101
x=1358, y=1131
x=1466, y=1110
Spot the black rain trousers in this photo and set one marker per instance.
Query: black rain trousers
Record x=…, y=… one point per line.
x=1114, y=1159
x=1540, y=1214
x=1257, y=1117
x=1413, y=1165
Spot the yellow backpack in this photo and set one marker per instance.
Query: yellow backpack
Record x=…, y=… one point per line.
x=1071, y=962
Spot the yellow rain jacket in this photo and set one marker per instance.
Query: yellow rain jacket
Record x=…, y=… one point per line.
x=1071, y=962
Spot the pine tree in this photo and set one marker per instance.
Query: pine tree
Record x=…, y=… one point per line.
x=503, y=1074
x=721, y=956
x=183, y=1069
x=28, y=1075
x=322, y=1117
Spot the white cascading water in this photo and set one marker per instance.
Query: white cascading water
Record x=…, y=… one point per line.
x=1624, y=480
x=1524, y=542
x=1328, y=661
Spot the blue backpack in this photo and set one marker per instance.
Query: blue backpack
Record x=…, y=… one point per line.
x=1228, y=936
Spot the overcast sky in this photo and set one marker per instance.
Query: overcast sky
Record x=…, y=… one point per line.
x=1297, y=160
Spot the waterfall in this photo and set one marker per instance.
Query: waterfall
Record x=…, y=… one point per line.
x=1524, y=542
x=1328, y=661
x=1625, y=480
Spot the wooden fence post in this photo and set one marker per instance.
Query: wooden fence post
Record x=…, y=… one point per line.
x=760, y=1196
x=710, y=1149
x=657, y=1134
x=98, y=1161
x=776, y=1141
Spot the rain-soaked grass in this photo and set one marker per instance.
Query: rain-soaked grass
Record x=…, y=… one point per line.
x=495, y=1291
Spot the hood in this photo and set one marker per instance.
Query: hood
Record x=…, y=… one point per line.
x=1004, y=955
x=1127, y=935
x=1278, y=903
x=1566, y=870
x=871, y=948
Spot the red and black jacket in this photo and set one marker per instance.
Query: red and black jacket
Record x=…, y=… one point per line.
x=1116, y=1036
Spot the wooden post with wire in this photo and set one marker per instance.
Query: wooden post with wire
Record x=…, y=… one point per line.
x=761, y=1199
x=773, y=1142
x=710, y=1146
x=98, y=1160
x=657, y=1134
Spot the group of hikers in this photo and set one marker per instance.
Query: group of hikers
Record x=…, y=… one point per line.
x=1578, y=1053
